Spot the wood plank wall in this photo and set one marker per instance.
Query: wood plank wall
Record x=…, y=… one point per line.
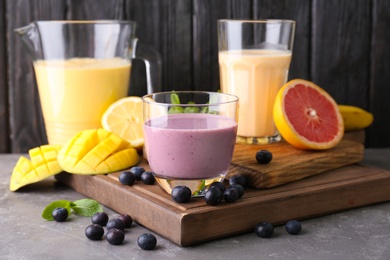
x=342, y=45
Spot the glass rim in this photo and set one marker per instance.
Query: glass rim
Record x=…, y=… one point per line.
x=147, y=99
x=85, y=22
x=258, y=21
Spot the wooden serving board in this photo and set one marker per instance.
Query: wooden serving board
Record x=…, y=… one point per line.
x=194, y=222
x=289, y=163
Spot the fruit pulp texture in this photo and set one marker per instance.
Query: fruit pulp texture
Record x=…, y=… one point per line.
x=74, y=93
x=255, y=76
x=190, y=146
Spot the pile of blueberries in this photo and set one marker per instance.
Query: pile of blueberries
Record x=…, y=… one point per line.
x=116, y=230
x=216, y=193
x=136, y=173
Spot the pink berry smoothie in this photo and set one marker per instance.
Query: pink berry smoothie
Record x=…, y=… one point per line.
x=190, y=146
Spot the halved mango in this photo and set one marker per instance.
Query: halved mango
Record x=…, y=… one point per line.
x=96, y=151
x=42, y=164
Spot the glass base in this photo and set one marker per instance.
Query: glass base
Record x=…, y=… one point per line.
x=198, y=187
x=258, y=140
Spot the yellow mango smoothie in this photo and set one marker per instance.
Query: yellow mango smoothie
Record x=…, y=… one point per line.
x=74, y=93
x=255, y=76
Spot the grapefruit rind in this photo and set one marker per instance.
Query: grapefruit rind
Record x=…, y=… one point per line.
x=287, y=129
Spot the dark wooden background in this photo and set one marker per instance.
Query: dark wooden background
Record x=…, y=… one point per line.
x=342, y=45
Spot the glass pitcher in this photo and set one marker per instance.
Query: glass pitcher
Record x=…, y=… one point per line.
x=82, y=67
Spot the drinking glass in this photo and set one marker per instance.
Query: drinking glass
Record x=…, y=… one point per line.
x=189, y=137
x=254, y=59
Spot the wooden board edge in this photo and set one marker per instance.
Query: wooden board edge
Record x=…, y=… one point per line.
x=338, y=199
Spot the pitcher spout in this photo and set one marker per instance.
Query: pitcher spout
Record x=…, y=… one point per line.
x=30, y=38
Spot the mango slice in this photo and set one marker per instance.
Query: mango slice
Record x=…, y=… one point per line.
x=96, y=151
x=42, y=164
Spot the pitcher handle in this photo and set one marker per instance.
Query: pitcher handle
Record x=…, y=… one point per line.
x=152, y=60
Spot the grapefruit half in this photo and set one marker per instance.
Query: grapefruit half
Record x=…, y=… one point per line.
x=307, y=116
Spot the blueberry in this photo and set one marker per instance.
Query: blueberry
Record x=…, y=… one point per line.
x=147, y=178
x=147, y=241
x=181, y=194
x=127, y=220
x=115, y=236
x=100, y=218
x=264, y=229
x=293, y=227
x=213, y=196
x=237, y=179
x=137, y=171
x=116, y=223
x=263, y=156
x=60, y=214
x=127, y=178
x=230, y=195
x=94, y=232
x=218, y=185
x=239, y=188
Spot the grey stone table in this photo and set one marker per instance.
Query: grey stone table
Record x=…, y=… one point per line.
x=362, y=233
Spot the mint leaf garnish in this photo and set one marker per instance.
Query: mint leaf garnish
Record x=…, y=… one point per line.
x=86, y=207
x=83, y=207
x=47, y=212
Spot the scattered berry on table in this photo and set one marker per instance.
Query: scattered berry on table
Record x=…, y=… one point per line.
x=127, y=220
x=239, y=188
x=181, y=194
x=218, y=185
x=147, y=178
x=293, y=227
x=115, y=236
x=94, y=232
x=264, y=229
x=116, y=223
x=127, y=178
x=137, y=171
x=60, y=214
x=100, y=218
x=237, y=179
x=230, y=195
x=213, y=196
x=263, y=156
x=147, y=241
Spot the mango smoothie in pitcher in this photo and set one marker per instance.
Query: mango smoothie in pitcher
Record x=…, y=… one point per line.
x=74, y=93
x=255, y=76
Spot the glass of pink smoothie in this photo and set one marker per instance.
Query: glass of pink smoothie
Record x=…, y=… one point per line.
x=189, y=137
x=254, y=59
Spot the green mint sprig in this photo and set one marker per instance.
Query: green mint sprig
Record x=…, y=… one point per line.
x=83, y=207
